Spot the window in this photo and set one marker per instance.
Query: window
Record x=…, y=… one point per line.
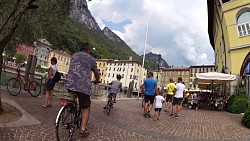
x=174, y=72
x=110, y=69
x=123, y=69
x=166, y=73
x=186, y=79
x=170, y=73
x=130, y=76
x=115, y=64
x=191, y=75
x=187, y=73
x=131, y=69
x=166, y=79
x=113, y=75
x=243, y=22
x=122, y=75
x=100, y=64
x=114, y=69
x=174, y=79
x=104, y=64
x=183, y=73
x=132, y=64
x=179, y=73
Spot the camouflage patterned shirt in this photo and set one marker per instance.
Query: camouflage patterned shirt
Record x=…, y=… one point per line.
x=79, y=75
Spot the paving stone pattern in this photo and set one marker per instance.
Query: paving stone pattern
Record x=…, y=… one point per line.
x=126, y=122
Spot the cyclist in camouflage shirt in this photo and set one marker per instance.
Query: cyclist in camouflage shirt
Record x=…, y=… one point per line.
x=78, y=81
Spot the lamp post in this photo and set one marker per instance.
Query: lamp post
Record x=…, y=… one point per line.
x=158, y=65
x=3, y=61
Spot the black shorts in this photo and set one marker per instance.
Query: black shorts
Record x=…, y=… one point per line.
x=50, y=84
x=177, y=101
x=150, y=98
x=169, y=98
x=84, y=99
x=158, y=109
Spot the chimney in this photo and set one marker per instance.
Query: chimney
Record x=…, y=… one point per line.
x=130, y=58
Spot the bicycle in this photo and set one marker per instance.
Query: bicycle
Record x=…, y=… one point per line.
x=68, y=119
x=14, y=85
x=111, y=102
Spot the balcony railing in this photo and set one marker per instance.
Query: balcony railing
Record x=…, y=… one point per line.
x=244, y=29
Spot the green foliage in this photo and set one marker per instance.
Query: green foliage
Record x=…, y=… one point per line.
x=237, y=103
x=40, y=69
x=239, y=106
x=20, y=57
x=246, y=118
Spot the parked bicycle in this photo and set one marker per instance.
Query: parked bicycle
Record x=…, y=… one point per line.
x=14, y=85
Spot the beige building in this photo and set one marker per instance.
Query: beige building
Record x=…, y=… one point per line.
x=128, y=69
x=198, y=69
x=63, y=60
x=175, y=72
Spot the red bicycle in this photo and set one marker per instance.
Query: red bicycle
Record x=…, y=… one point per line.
x=14, y=85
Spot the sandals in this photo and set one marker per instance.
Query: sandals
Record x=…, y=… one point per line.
x=84, y=133
x=46, y=106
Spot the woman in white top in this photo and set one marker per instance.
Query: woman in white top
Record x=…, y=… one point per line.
x=50, y=83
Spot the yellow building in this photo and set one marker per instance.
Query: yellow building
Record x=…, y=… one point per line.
x=102, y=67
x=229, y=33
x=63, y=60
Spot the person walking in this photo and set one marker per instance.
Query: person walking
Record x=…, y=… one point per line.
x=159, y=100
x=149, y=89
x=178, y=98
x=49, y=85
x=130, y=89
x=79, y=82
x=169, y=98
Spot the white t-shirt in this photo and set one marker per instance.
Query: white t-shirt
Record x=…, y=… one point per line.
x=54, y=67
x=158, y=101
x=180, y=88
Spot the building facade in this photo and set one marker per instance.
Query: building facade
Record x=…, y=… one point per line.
x=102, y=67
x=229, y=33
x=25, y=48
x=198, y=69
x=42, y=50
x=128, y=69
x=63, y=60
x=175, y=72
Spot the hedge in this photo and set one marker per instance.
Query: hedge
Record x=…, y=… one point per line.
x=246, y=118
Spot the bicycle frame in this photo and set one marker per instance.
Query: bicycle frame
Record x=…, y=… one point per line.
x=19, y=77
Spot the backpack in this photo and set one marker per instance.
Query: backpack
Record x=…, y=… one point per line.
x=57, y=77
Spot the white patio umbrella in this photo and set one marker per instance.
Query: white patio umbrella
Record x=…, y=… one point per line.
x=213, y=79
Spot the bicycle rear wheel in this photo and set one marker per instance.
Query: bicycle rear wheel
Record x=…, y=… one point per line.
x=14, y=86
x=65, y=125
x=110, y=105
x=34, y=88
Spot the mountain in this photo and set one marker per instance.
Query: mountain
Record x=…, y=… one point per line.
x=81, y=27
x=155, y=58
x=81, y=14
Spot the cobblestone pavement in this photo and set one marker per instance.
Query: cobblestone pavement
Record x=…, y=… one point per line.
x=126, y=122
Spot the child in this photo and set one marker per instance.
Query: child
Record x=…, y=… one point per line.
x=159, y=99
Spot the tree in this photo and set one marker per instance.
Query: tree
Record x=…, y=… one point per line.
x=18, y=22
x=20, y=57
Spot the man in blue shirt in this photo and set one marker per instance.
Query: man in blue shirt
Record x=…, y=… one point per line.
x=149, y=89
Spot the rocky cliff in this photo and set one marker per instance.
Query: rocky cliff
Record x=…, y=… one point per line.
x=82, y=14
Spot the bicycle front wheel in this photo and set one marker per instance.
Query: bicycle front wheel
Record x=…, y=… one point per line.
x=65, y=124
x=110, y=106
x=34, y=88
x=14, y=86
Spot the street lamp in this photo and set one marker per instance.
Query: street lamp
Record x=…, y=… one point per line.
x=14, y=58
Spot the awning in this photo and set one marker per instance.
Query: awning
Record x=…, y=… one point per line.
x=214, y=77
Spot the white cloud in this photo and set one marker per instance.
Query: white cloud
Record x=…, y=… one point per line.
x=177, y=29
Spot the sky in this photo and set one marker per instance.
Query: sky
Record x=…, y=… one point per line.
x=177, y=29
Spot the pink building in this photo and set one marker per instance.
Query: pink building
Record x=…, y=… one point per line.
x=25, y=48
